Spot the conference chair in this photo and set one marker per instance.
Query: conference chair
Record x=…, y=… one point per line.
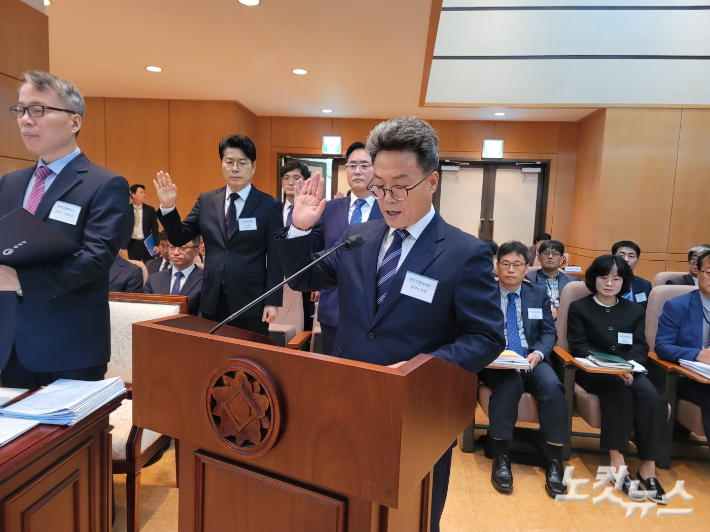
x=142, y=267
x=664, y=374
x=287, y=328
x=316, y=337
x=662, y=277
x=132, y=446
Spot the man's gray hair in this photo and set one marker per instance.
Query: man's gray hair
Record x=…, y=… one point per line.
x=406, y=134
x=702, y=248
x=68, y=94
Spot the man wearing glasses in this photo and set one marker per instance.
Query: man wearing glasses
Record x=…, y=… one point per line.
x=339, y=214
x=551, y=254
x=54, y=317
x=237, y=223
x=418, y=284
x=691, y=278
x=640, y=288
x=183, y=279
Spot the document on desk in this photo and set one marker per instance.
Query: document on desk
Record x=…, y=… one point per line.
x=8, y=394
x=12, y=428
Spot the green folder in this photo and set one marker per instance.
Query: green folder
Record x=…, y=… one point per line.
x=610, y=360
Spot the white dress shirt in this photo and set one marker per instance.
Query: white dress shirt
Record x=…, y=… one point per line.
x=56, y=167
x=366, y=209
x=163, y=265
x=241, y=200
x=287, y=205
x=186, y=273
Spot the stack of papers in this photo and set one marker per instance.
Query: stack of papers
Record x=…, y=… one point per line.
x=12, y=428
x=66, y=401
x=510, y=360
x=635, y=366
x=700, y=368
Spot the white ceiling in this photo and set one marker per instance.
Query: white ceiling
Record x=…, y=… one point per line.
x=364, y=59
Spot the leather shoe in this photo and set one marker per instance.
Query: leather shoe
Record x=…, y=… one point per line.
x=502, y=475
x=554, y=474
x=629, y=491
x=654, y=491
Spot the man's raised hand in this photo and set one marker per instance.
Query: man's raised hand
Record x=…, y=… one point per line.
x=309, y=202
x=167, y=191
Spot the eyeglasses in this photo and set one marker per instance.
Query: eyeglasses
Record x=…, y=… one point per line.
x=555, y=254
x=397, y=192
x=181, y=248
x=693, y=259
x=241, y=164
x=517, y=266
x=35, y=111
x=362, y=166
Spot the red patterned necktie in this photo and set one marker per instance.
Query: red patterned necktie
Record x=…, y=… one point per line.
x=37, y=189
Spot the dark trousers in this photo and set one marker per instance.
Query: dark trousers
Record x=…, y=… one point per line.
x=698, y=394
x=137, y=250
x=440, y=487
x=15, y=374
x=223, y=311
x=327, y=335
x=309, y=308
x=637, y=406
x=508, y=386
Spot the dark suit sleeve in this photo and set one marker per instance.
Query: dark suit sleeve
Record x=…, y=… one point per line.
x=579, y=345
x=548, y=334
x=479, y=319
x=318, y=235
x=180, y=233
x=295, y=254
x=274, y=270
x=148, y=287
x=669, y=324
x=134, y=283
x=102, y=238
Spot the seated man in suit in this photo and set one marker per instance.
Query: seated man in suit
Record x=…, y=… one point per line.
x=183, y=279
x=358, y=206
x=640, y=288
x=144, y=223
x=691, y=278
x=551, y=254
x=125, y=277
x=530, y=332
x=162, y=261
x=385, y=316
x=684, y=333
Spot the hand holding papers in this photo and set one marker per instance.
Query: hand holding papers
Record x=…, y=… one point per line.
x=510, y=360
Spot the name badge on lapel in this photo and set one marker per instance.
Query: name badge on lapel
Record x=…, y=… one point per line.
x=65, y=212
x=419, y=287
x=626, y=338
x=534, y=313
x=640, y=298
x=247, y=224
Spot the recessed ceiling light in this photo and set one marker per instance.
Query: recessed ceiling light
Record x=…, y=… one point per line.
x=300, y=71
x=47, y=2
x=327, y=111
x=249, y=2
x=498, y=114
x=153, y=69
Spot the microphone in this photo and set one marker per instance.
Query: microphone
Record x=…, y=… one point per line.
x=352, y=242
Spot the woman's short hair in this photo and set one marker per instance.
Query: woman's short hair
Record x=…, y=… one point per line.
x=602, y=266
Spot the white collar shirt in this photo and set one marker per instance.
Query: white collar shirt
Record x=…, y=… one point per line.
x=186, y=273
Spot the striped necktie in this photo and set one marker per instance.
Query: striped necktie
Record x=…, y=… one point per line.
x=43, y=172
x=388, y=268
x=356, y=218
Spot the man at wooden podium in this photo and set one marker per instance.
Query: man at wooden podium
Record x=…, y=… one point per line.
x=418, y=285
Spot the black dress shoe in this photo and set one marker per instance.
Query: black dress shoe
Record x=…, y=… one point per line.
x=654, y=491
x=554, y=474
x=631, y=492
x=502, y=475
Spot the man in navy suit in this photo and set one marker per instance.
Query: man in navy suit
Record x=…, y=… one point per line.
x=183, y=279
x=684, y=334
x=640, y=288
x=125, y=277
x=55, y=317
x=691, y=278
x=339, y=214
x=530, y=332
x=144, y=223
x=237, y=224
x=551, y=253
x=386, y=317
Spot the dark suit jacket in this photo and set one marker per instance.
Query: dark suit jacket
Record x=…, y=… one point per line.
x=537, y=277
x=462, y=325
x=239, y=262
x=153, y=265
x=641, y=286
x=326, y=232
x=540, y=334
x=150, y=222
x=61, y=321
x=591, y=327
x=680, y=328
x=125, y=277
x=159, y=283
x=683, y=279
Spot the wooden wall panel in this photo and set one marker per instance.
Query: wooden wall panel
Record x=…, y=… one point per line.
x=561, y=193
x=244, y=122
x=528, y=136
x=353, y=129
x=463, y=135
x=24, y=39
x=92, y=137
x=8, y=165
x=690, y=216
x=11, y=143
x=265, y=178
x=300, y=132
x=637, y=176
x=138, y=140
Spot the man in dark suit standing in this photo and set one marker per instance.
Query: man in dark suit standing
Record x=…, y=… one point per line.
x=55, y=317
x=691, y=278
x=183, y=279
x=339, y=214
x=144, y=223
x=640, y=288
x=530, y=332
x=386, y=317
x=125, y=277
x=237, y=224
x=162, y=261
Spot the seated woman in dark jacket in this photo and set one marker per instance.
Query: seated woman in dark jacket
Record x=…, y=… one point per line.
x=606, y=323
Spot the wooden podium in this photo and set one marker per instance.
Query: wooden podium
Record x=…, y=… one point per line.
x=275, y=440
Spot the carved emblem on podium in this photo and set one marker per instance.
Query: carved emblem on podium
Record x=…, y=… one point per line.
x=243, y=405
